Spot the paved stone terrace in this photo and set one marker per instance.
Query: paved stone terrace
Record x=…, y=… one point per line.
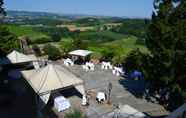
x=98, y=81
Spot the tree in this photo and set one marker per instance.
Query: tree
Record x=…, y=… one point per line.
x=8, y=41
x=162, y=40
x=2, y=12
x=66, y=46
x=167, y=44
x=52, y=52
x=55, y=37
x=78, y=43
x=134, y=60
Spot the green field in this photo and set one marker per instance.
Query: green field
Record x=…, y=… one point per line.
x=101, y=37
x=25, y=31
x=96, y=41
x=121, y=46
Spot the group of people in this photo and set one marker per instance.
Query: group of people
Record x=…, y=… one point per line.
x=118, y=71
x=106, y=65
x=100, y=98
x=68, y=62
x=89, y=66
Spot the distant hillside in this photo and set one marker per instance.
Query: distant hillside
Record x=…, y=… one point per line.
x=36, y=15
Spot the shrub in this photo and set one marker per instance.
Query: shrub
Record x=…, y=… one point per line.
x=96, y=55
x=74, y=114
x=118, y=59
x=107, y=53
x=36, y=50
x=52, y=52
x=41, y=40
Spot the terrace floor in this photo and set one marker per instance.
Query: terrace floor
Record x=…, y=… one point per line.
x=95, y=81
x=98, y=80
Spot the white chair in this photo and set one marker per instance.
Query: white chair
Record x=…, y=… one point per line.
x=106, y=66
x=84, y=101
x=36, y=65
x=113, y=72
x=103, y=65
x=121, y=71
x=110, y=66
x=85, y=67
x=92, y=66
x=68, y=62
x=117, y=73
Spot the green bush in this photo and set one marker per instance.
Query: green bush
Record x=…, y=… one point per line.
x=96, y=55
x=52, y=52
x=36, y=50
x=41, y=40
x=107, y=53
x=74, y=114
x=118, y=59
x=134, y=60
x=66, y=46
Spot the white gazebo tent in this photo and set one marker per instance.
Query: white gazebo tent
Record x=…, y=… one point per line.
x=130, y=112
x=178, y=113
x=50, y=78
x=16, y=57
x=80, y=53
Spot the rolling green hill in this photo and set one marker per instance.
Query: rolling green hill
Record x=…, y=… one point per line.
x=121, y=46
x=101, y=37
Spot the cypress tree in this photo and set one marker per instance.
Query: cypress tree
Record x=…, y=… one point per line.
x=166, y=40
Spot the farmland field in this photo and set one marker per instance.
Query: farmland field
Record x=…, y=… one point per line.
x=121, y=46
x=118, y=43
x=25, y=31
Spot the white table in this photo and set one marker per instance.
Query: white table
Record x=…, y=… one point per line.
x=68, y=62
x=61, y=103
x=118, y=71
x=90, y=66
x=100, y=96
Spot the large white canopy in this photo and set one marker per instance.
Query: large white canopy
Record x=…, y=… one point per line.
x=130, y=112
x=178, y=113
x=82, y=53
x=16, y=57
x=52, y=77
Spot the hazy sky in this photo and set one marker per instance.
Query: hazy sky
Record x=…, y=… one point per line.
x=130, y=8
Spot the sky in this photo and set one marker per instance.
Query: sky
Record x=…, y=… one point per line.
x=122, y=8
